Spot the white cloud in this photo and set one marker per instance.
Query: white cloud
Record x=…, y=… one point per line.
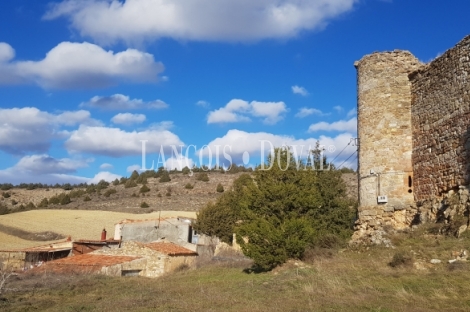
x=128, y=119
x=299, y=90
x=237, y=142
x=238, y=111
x=338, y=109
x=122, y=102
x=162, y=125
x=178, y=163
x=203, y=104
x=30, y=130
x=352, y=112
x=106, y=166
x=104, y=175
x=72, y=65
x=45, y=164
x=136, y=21
x=342, y=125
x=6, y=52
x=116, y=142
x=131, y=168
x=304, y=112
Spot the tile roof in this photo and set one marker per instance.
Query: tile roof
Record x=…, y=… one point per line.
x=170, y=249
x=93, y=260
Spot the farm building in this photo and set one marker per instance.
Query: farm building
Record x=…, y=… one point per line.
x=176, y=230
x=24, y=259
x=132, y=258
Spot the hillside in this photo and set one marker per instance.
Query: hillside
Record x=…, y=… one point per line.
x=167, y=196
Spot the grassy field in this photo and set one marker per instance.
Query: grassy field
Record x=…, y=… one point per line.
x=347, y=281
x=80, y=224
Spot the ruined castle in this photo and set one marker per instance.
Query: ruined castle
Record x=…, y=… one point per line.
x=414, y=141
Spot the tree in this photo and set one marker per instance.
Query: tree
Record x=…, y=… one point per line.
x=202, y=176
x=220, y=188
x=164, y=177
x=134, y=175
x=279, y=212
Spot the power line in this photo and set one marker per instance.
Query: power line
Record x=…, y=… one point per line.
x=341, y=151
x=347, y=159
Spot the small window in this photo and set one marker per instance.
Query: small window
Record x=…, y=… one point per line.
x=410, y=181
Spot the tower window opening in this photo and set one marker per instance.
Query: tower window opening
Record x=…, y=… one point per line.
x=410, y=181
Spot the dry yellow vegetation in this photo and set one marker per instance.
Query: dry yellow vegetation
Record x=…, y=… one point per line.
x=79, y=224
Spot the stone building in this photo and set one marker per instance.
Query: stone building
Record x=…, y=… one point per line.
x=413, y=129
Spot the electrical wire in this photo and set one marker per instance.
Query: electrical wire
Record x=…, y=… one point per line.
x=339, y=167
x=341, y=152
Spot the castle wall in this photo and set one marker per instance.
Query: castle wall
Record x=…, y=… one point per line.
x=441, y=123
x=385, y=138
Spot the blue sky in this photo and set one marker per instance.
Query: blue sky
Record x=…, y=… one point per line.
x=83, y=82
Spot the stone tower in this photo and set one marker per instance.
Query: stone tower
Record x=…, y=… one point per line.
x=385, y=141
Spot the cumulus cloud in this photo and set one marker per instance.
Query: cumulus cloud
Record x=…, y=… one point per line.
x=131, y=168
x=115, y=142
x=304, y=112
x=45, y=164
x=44, y=169
x=30, y=130
x=236, y=142
x=178, y=163
x=338, y=109
x=136, y=21
x=128, y=119
x=340, y=126
x=203, y=104
x=72, y=65
x=122, y=102
x=104, y=175
x=239, y=111
x=352, y=112
x=106, y=166
x=299, y=90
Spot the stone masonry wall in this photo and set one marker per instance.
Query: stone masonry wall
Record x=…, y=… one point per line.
x=441, y=121
x=385, y=139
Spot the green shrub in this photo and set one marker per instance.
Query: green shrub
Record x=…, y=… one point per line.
x=91, y=189
x=14, y=202
x=144, y=189
x=186, y=170
x=159, y=195
x=189, y=186
x=109, y=192
x=144, y=205
x=77, y=193
x=165, y=177
x=30, y=206
x=220, y=188
x=4, y=209
x=134, y=175
x=43, y=204
x=130, y=183
x=202, y=176
x=116, y=182
x=64, y=199
x=6, y=194
x=278, y=213
x=168, y=194
x=134, y=195
x=87, y=198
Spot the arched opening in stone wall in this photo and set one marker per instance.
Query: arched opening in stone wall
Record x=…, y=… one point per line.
x=410, y=184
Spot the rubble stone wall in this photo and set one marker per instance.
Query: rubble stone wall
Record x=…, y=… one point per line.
x=441, y=119
x=385, y=139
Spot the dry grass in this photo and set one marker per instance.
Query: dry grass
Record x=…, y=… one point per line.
x=80, y=224
x=350, y=281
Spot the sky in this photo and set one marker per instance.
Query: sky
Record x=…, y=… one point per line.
x=94, y=89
